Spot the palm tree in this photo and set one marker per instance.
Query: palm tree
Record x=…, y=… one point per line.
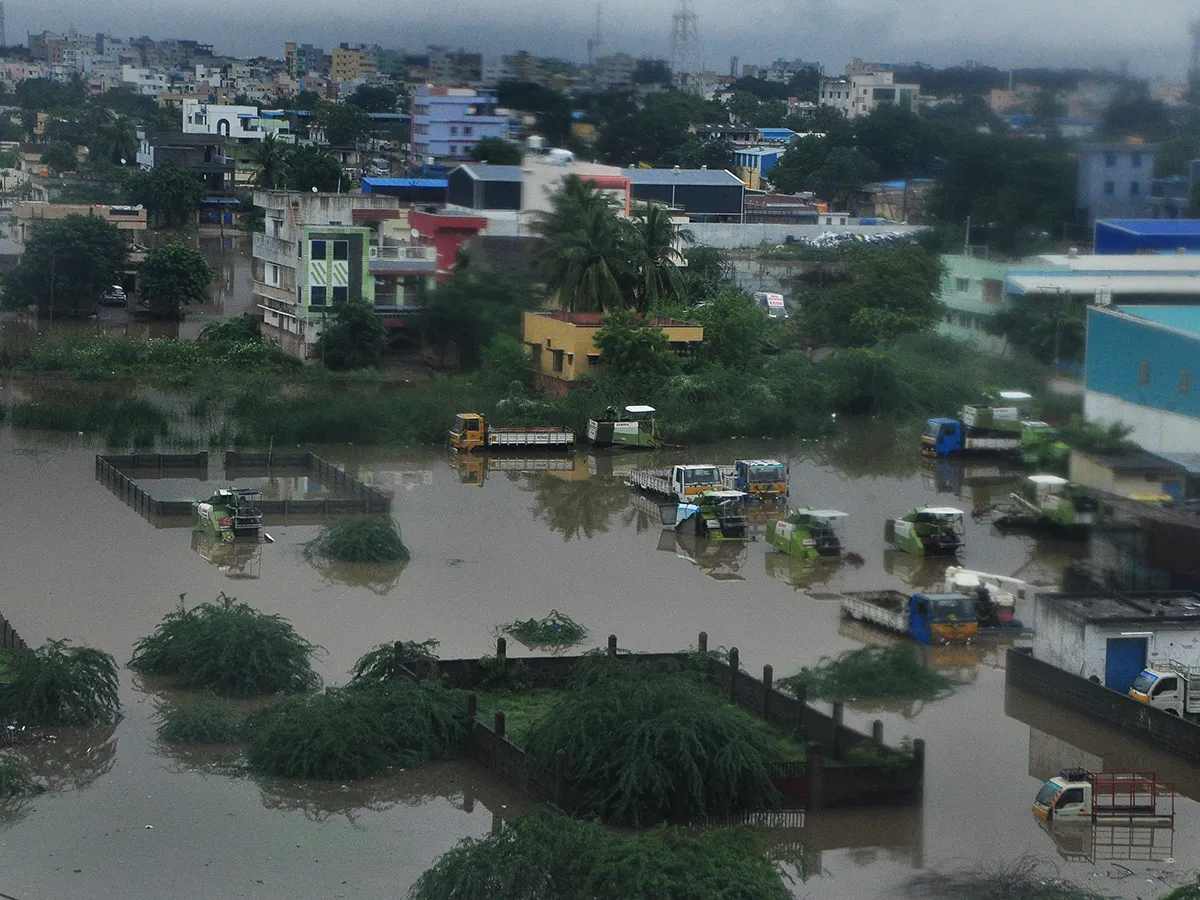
x=659, y=250
x=118, y=139
x=270, y=160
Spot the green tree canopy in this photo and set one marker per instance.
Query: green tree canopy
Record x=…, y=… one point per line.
x=343, y=123
x=270, y=163
x=373, y=98
x=466, y=312
x=794, y=171
x=67, y=266
x=734, y=330
x=60, y=157
x=844, y=171
x=496, y=151
x=353, y=338
x=634, y=348
x=169, y=193
x=173, y=276
x=305, y=168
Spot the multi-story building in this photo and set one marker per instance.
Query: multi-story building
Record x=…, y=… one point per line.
x=303, y=59
x=614, y=71
x=317, y=251
x=448, y=122
x=1113, y=181
x=202, y=154
x=454, y=68
x=350, y=63
x=147, y=82
x=857, y=95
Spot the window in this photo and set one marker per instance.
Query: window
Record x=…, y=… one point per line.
x=1185, y=382
x=341, y=249
x=1166, y=685
x=468, y=130
x=317, y=295
x=1134, y=189
x=962, y=285
x=993, y=290
x=1110, y=160
x=273, y=274
x=1144, y=373
x=1070, y=797
x=316, y=250
x=1110, y=188
x=341, y=294
x=558, y=360
x=593, y=359
x=1136, y=160
x=454, y=149
x=453, y=130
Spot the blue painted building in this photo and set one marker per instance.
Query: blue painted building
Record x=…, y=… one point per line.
x=1113, y=180
x=1141, y=369
x=1123, y=236
x=447, y=123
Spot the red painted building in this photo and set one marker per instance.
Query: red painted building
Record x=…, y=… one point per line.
x=446, y=231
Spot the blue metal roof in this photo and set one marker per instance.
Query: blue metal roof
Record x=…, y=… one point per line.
x=432, y=183
x=776, y=133
x=1153, y=226
x=1181, y=318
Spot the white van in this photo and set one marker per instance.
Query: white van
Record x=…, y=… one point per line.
x=772, y=303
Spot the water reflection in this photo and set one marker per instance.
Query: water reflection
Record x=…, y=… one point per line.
x=802, y=573
x=71, y=759
x=720, y=560
x=918, y=572
x=870, y=448
x=233, y=559
x=378, y=578
x=577, y=509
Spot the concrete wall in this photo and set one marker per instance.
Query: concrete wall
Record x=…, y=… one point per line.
x=1059, y=640
x=1155, y=430
x=733, y=236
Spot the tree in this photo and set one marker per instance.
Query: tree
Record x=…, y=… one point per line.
x=169, y=193
x=270, y=163
x=734, y=330
x=634, y=348
x=893, y=291
x=116, y=141
x=353, y=339
x=344, y=124
x=173, y=276
x=67, y=266
x=794, y=170
x=844, y=171
x=60, y=157
x=305, y=168
x=1134, y=113
x=656, y=244
x=373, y=98
x=901, y=143
x=696, y=153
x=496, y=151
x=466, y=312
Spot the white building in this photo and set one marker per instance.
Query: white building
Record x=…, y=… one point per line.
x=145, y=81
x=239, y=122
x=857, y=95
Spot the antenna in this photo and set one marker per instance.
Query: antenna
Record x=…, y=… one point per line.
x=684, y=39
x=594, y=42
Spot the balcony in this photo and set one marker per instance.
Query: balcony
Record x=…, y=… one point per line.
x=403, y=259
x=272, y=292
x=275, y=250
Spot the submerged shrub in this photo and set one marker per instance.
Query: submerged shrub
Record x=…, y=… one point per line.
x=359, y=539
x=57, y=684
x=384, y=662
x=357, y=731
x=870, y=673
x=547, y=855
x=555, y=630
x=229, y=648
x=200, y=719
x=649, y=741
x=16, y=777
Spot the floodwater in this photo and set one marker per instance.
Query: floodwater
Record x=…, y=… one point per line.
x=491, y=544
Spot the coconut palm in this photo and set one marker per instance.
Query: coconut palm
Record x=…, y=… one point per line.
x=118, y=140
x=270, y=161
x=658, y=245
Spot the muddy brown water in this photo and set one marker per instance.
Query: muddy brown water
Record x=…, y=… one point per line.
x=489, y=545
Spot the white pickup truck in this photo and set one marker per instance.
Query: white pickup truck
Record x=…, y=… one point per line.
x=682, y=482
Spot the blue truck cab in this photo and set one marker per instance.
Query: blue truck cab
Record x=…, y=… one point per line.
x=942, y=437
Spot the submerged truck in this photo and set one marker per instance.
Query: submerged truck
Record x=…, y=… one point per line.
x=994, y=426
x=1173, y=687
x=680, y=482
x=761, y=479
x=470, y=431
x=927, y=618
x=1117, y=798
x=719, y=515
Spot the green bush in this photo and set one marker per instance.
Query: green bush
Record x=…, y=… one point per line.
x=121, y=422
x=870, y=673
x=649, y=741
x=359, y=539
x=199, y=719
x=57, y=684
x=549, y=856
x=228, y=648
x=383, y=663
x=555, y=630
x=16, y=777
x=357, y=731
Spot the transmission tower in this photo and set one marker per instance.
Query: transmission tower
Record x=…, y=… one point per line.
x=684, y=39
x=594, y=42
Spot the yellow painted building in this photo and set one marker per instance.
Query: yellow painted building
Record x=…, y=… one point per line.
x=563, y=349
x=349, y=64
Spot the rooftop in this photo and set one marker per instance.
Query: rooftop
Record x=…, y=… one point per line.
x=1141, y=264
x=488, y=172
x=719, y=177
x=1131, y=462
x=1181, y=318
x=592, y=319
x=1153, y=226
x=1069, y=283
x=405, y=182
x=1155, y=607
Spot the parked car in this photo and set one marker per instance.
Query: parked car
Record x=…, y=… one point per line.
x=114, y=296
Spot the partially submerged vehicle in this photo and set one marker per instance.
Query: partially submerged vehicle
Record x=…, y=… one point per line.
x=718, y=515
x=231, y=514
x=808, y=533
x=927, y=531
x=637, y=429
x=1047, y=501
x=762, y=479
x=1116, y=798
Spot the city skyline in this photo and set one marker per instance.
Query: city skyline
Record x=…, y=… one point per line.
x=1095, y=34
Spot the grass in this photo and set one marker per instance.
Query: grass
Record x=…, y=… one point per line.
x=359, y=539
x=555, y=630
x=870, y=673
x=199, y=719
x=58, y=684
x=121, y=422
x=228, y=648
x=521, y=709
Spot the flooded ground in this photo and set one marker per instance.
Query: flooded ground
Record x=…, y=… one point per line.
x=491, y=544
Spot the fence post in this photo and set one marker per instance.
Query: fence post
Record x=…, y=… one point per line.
x=815, y=764
x=702, y=643
x=839, y=713
x=734, y=669
x=397, y=656
x=560, y=777
x=768, y=681
x=612, y=645
x=499, y=724
x=502, y=654
x=919, y=758
x=877, y=732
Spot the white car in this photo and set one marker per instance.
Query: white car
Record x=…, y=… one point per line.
x=114, y=296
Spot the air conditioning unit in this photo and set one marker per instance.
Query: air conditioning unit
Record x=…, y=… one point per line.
x=373, y=253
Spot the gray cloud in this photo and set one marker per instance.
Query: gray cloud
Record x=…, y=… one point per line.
x=1151, y=39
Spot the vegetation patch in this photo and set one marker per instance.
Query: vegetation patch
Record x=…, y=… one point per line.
x=522, y=709
x=550, y=856
x=121, y=422
x=1026, y=878
x=645, y=742
x=357, y=731
x=1184, y=892
x=228, y=648
x=359, y=539
x=870, y=673
x=388, y=662
x=58, y=684
x=199, y=719
x=16, y=777
x=555, y=630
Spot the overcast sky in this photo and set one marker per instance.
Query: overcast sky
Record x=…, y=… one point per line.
x=1151, y=37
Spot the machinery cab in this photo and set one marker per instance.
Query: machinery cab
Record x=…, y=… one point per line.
x=762, y=479
x=941, y=437
x=999, y=412
x=691, y=480
x=1173, y=688
x=942, y=618
x=468, y=431
x=927, y=531
x=635, y=428
x=809, y=533
x=231, y=513
x=715, y=514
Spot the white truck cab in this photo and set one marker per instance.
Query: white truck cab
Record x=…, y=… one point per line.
x=1172, y=687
